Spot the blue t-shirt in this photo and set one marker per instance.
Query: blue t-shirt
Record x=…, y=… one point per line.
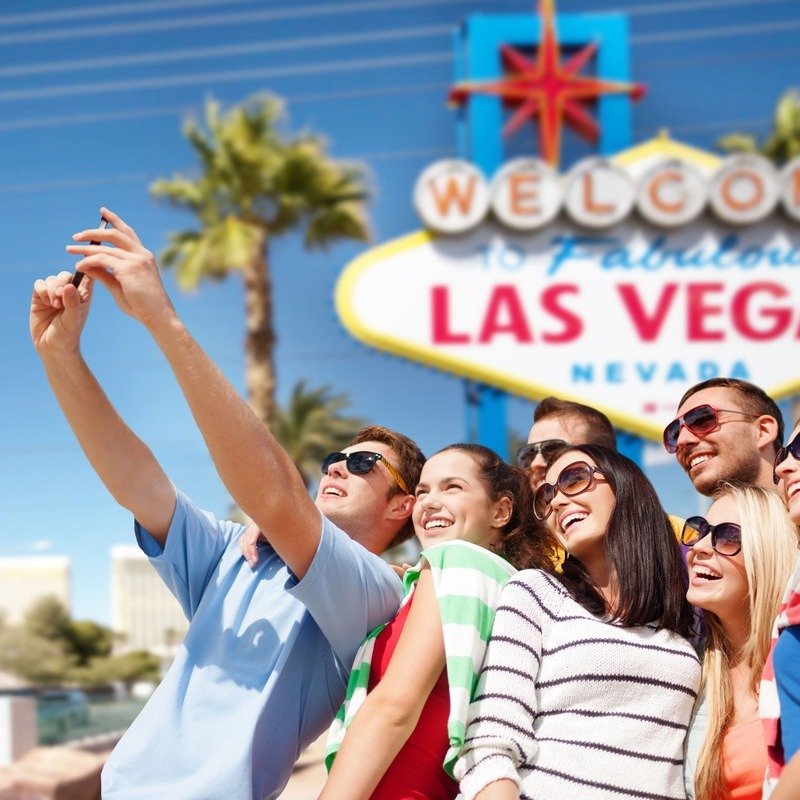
x=263, y=667
x=786, y=660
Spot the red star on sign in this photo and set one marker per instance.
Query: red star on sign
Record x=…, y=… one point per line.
x=547, y=89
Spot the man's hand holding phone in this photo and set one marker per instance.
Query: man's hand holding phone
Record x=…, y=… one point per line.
x=117, y=259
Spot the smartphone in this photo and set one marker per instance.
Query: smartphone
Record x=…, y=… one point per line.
x=78, y=276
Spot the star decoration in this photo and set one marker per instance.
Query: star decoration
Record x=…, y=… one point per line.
x=547, y=90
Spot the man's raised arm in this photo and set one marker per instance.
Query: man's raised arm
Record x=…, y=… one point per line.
x=122, y=461
x=260, y=476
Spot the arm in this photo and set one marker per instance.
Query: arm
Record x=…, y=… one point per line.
x=499, y=790
x=391, y=711
x=257, y=472
x=123, y=462
x=788, y=787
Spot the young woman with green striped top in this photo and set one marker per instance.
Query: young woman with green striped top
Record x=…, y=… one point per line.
x=413, y=679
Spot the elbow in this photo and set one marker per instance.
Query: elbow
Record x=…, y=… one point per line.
x=398, y=711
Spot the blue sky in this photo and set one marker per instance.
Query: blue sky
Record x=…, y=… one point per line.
x=91, y=102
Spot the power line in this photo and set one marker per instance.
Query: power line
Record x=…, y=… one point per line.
x=217, y=20
x=356, y=64
x=720, y=32
x=110, y=10
x=692, y=5
x=104, y=87
x=27, y=123
x=173, y=56
x=381, y=155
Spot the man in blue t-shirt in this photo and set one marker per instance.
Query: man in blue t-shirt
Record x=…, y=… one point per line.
x=266, y=659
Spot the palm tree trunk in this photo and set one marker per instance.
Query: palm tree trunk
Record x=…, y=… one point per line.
x=260, y=337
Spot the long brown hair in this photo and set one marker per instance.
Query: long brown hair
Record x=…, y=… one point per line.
x=641, y=549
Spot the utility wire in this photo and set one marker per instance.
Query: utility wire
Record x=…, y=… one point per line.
x=198, y=79
x=218, y=20
x=100, y=87
x=384, y=155
x=223, y=51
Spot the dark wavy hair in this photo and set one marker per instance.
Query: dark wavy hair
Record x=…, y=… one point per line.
x=524, y=541
x=641, y=549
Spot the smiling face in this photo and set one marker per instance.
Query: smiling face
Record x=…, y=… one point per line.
x=718, y=583
x=789, y=473
x=359, y=503
x=580, y=522
x=452, y=502
x=730, y=453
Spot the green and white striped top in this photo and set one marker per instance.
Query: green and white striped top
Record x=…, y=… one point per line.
x=468, y=580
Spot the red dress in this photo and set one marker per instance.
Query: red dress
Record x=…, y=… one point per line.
x=416, y=772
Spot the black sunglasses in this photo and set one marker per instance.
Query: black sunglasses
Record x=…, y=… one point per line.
x=700, y=420
x=792, y=449
x=528, y=452
x=726, y=537
x=361, y=462
x=573, y=479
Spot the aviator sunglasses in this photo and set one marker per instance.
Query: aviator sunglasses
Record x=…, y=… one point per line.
x=792, y=449
x=528, y=452
x=700, y=420
x=361, y=462
x=726, y=537
x=573, y=479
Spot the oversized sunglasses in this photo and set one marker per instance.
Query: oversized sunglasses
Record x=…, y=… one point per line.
x=361, y=462
x=528, y=452
x=726, y=537
x=573, y=479
x=792, y=449
x=700, y=420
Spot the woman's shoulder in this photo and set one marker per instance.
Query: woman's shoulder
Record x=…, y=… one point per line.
x=540, y=580
x=538, y=589
x=469, y=556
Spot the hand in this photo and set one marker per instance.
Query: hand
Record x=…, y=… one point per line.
x=58, y=313
x=248, y=544
x=128, y=269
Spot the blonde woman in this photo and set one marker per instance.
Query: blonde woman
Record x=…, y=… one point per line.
x=742, y=555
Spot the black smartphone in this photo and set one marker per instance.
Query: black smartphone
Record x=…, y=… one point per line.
x=78, y=276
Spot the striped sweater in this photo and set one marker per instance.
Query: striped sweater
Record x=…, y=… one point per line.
x=572, y=706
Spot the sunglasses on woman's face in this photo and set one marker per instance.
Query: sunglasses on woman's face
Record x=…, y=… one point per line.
x=700, y=420
x=573, y=479
x=547, y=447
x=792, y=449
x=361, y=462
x=726, y=537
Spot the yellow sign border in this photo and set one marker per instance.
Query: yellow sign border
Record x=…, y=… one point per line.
x=344, y=291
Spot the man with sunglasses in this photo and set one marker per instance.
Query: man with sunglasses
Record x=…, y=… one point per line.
x=558, y=422
x=726, y=431
x=265, y=663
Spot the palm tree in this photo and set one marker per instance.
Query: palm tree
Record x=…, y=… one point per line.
x=256, y=183
x=311, y=426
x=783, y=144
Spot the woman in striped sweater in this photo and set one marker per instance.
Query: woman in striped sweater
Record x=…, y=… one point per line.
x=590, y=677
x=410, y=688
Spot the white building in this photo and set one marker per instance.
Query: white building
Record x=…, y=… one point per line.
x=26, y=579
x=142, y=608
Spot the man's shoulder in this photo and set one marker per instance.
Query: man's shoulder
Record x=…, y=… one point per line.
x=342, y=546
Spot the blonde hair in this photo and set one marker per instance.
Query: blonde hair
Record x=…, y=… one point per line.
x=769, y=551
